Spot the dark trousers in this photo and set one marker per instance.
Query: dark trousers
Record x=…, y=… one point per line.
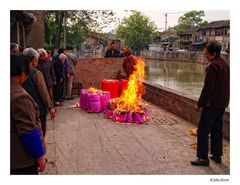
x=31, y=170
x=57, y=91
x=43, y=119
x=211, y=122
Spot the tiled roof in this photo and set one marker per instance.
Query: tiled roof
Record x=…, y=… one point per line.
x=217, y=24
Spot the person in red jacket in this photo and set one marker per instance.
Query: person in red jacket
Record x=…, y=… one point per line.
x=128, y=63
x=212, y=102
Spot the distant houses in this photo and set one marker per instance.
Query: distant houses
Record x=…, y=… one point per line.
x=194, y=39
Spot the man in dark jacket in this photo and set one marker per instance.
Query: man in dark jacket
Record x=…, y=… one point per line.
x=27, y=142
x=112, y=51
x=213, y=100
x=37, y=89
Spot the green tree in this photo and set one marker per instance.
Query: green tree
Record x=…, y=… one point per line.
x=136, y=30
x=77, y=24
x=190, y=20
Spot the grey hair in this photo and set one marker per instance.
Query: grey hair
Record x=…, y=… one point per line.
x=13, y=46
x=62, y=56
x=31, y=53
x=41, y=50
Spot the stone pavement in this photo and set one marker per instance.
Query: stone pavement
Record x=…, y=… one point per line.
x=86, y=143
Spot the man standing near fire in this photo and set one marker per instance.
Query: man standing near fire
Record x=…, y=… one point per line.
x=128, y=63
x=213, y=100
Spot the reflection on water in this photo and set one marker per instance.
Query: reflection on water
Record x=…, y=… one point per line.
x=187, y=77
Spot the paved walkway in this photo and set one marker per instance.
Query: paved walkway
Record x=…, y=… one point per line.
x=86, y=143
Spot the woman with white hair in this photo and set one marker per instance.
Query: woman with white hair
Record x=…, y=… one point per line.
x=36, y=88
x=46, y=67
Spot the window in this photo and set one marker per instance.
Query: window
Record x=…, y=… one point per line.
x=219, y=32
x=204, y=33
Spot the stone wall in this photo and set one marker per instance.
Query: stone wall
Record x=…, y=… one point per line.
x=178, y=56
x=180, y=104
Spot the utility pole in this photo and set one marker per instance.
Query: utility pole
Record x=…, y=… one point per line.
x=166, y=16
x=166, y=21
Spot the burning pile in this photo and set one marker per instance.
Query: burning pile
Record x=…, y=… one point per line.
x=129, y=107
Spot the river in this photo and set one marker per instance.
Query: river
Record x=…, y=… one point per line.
x=186, y=77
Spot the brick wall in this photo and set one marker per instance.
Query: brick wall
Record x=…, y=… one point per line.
x=90, y=71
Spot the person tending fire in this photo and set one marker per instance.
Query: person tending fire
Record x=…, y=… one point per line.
x=128, y=64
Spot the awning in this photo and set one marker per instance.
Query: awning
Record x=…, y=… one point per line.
x=198, y=43
x=164, y=43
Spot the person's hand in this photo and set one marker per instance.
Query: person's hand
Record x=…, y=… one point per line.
x=61, y=80
x=41, y=164
x=198, y=109
x=54, y=83
x=68, y=76
x=52, y=113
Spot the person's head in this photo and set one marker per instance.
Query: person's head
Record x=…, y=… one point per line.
x=127, y=52
x=62, y=57
x=19, y=67
x=14, y=48
x=50, y=54
x=212, y=50
x=123, y=49
x=61, y=50
x=42, y=54
x=32, y=55
x=112, y=45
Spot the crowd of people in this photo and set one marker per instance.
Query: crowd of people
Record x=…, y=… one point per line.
x=39, y=81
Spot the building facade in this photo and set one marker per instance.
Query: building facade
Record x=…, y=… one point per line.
x=27, y=28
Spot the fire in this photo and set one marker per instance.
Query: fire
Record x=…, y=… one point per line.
x=131, y=99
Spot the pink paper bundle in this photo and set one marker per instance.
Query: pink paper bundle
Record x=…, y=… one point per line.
x=104, y=98
x=94, y=107
x=83, y=99
x=108, y=114
x=115, y=116
x=94, y=104
x=129, y=118
x=139, y=117
x=122, y=117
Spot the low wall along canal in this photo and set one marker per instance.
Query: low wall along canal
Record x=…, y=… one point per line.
x=90, y=72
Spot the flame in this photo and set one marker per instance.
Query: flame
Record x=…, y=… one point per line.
x=131, y=99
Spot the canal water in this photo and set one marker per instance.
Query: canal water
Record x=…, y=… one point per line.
x=186, y=77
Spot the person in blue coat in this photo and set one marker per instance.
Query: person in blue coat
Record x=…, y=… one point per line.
x=112, y=51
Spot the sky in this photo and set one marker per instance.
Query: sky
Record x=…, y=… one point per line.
x=158, y=16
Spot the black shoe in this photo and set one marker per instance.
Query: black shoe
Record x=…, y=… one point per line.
x=216, y=159
x=69, y=98
x=200, y=162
